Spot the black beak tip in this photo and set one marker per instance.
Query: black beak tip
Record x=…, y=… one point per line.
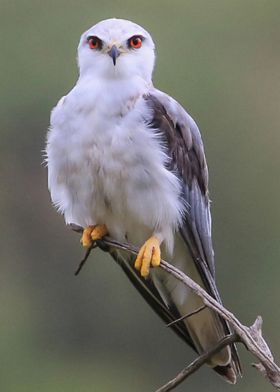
x=114, y=53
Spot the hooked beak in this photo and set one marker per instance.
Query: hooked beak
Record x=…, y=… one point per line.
x=114, y=53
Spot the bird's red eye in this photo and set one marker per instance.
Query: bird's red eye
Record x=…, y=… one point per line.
x=94, y=43
x=135, y=42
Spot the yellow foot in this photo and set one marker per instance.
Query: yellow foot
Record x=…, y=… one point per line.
x=93, y=233
x=148, y=255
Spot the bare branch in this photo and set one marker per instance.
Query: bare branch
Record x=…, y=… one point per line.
x=251, y=337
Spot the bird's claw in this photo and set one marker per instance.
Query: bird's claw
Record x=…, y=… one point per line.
x=148, y=255
x=93, y=233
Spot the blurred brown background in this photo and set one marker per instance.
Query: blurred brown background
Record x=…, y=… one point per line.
x=220, y=59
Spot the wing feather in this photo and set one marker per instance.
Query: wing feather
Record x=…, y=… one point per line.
x=186, y=151
x=185, y=148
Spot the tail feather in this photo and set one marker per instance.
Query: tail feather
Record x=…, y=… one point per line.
x=228, y=373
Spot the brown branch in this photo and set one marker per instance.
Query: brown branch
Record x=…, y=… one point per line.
x=251, y=337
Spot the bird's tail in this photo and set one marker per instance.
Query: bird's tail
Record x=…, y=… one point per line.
x=204, y=326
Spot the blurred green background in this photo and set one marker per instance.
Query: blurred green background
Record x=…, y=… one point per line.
x=220, y=59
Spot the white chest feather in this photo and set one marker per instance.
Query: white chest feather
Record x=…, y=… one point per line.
x=107, y=166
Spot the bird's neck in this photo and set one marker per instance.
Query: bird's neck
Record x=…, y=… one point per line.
x=111, y=95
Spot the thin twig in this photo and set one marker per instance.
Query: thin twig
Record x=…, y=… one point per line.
x=83, y=261
x=186, y=316
x=198, y=362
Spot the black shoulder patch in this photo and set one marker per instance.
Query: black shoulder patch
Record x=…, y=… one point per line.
x=187, y=156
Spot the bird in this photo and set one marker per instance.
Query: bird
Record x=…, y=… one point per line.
x=126, y=159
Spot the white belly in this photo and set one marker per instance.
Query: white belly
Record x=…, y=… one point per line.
x=113, y=172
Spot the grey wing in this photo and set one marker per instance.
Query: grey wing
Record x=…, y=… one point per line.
x=187, y=160
x=186, y=151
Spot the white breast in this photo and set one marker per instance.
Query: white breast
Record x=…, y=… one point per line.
x=107, y=166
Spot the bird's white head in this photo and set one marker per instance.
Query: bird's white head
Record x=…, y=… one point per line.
x=116, y=49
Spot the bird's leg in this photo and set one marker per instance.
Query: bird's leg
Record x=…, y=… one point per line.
x=149, y=254
x=93, y=233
